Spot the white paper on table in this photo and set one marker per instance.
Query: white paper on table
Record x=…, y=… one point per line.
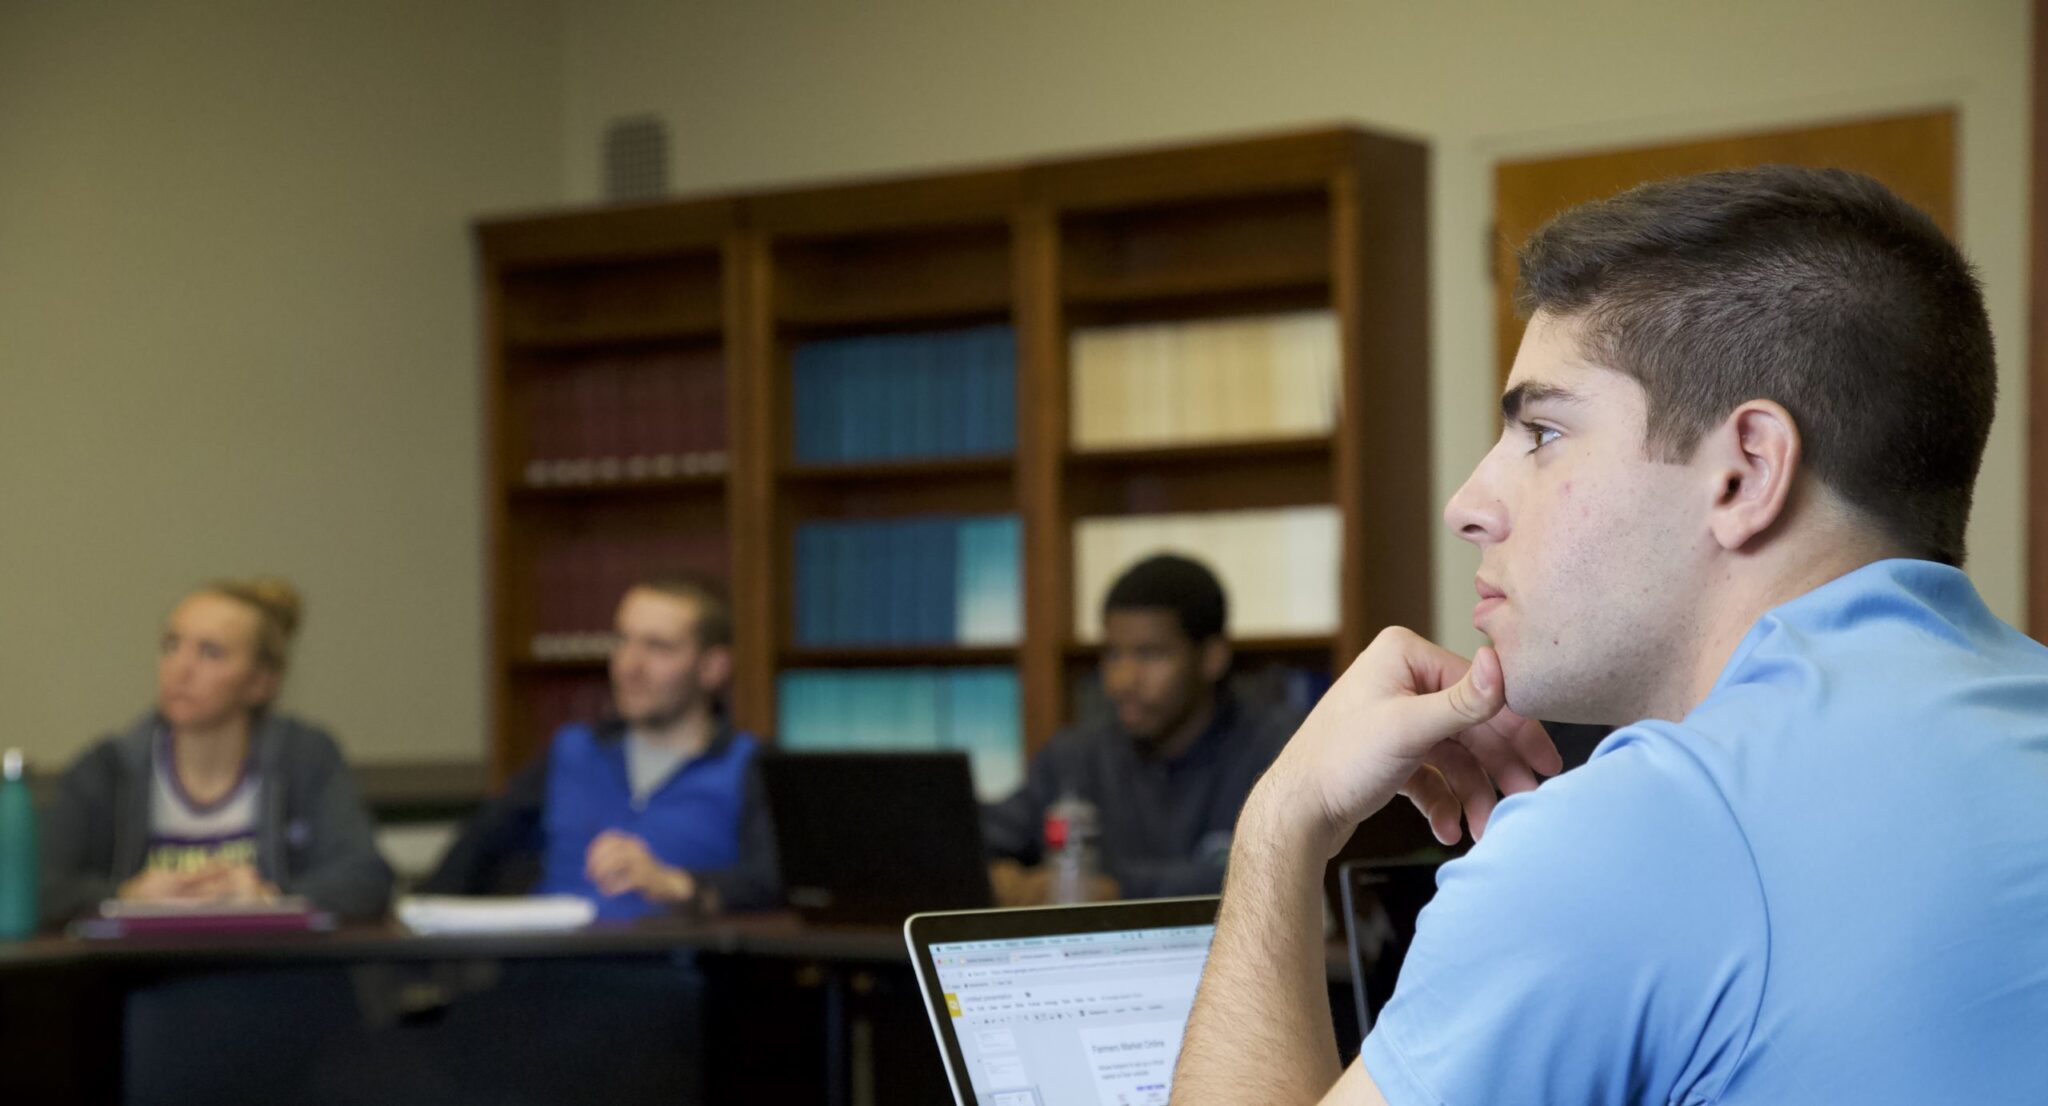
x=521, y=914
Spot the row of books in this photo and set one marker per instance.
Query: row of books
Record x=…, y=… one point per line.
x=579, y=578
x=884, y=397
x=621, y=419
x=974, y=710
x=1278, y=567
x=1204, y=380
x=935, y=579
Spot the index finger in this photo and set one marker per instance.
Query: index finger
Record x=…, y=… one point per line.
x=1529, y=740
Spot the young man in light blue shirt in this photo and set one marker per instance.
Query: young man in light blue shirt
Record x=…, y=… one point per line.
x=1727, y=510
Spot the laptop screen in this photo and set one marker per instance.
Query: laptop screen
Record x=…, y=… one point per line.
x=1072, y=1018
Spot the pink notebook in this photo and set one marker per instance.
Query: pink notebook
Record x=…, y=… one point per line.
x=131, y=919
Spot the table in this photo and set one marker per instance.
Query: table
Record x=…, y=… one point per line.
x=762, y=1009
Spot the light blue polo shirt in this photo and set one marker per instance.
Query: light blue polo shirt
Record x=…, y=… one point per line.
x=1828, y=884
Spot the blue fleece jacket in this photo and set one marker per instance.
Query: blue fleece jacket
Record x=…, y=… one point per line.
x=692, y=822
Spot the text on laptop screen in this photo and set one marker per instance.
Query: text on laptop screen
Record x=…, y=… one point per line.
x=1087, y=1017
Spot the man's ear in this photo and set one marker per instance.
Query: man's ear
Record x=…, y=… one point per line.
x=1215, y=658
x=714, y=668
x=1753, y=458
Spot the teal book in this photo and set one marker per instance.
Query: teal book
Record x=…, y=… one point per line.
x=984, y=724
x=989, y=606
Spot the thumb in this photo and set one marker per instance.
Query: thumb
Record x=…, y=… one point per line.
x=1477, y=696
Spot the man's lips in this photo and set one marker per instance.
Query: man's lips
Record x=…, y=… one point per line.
x=1490, y=597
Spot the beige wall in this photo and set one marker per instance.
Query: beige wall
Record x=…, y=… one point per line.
x=778, y=92
x=236, y=305
x=237, y=334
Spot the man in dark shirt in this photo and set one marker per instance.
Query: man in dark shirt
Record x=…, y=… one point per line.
x=1168, y=770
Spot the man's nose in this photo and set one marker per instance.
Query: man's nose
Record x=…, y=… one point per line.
x=1475, y=512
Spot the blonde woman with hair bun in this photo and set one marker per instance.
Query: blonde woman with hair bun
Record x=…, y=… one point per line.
x=213, y=796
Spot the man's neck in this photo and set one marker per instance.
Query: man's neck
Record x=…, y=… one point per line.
x=1733, y=608
x=1182, y=737
x=690, y=732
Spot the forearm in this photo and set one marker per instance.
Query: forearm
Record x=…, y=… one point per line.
x=357, y=887
x=1260, y=1029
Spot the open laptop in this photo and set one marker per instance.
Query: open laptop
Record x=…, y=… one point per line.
x=873, y=837
x=1379, y=901
x=1062, y=1004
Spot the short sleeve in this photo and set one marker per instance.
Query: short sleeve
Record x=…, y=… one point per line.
x=1606, y=943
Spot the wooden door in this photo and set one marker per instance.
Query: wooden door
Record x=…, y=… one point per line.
x=1912, y=154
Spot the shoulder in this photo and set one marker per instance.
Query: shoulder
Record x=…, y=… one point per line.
x=1632, y=866
x=1626, y=884
x=576, y=744
x=742, y=749
x=109, y=758
x=1651, y=796
x=295, y=740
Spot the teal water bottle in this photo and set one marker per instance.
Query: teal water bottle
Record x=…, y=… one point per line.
x=17, y=850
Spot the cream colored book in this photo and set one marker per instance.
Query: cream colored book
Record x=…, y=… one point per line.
x=1094, y=360
x=1241, y=348
x=1150, y=385
x=1279, y=567
x=1313, y=539
x=1304, y=351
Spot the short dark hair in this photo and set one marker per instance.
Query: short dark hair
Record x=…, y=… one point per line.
x=1174, y=583
x=714, y=613
x=1815, y=288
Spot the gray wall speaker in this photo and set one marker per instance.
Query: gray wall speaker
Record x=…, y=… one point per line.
x=636, y=158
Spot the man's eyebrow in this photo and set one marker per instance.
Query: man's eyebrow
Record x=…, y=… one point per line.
x=1527, y=392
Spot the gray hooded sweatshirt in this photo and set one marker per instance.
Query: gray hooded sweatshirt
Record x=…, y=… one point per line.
x=313, y=836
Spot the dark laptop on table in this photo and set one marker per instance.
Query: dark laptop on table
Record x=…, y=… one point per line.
x=874, y=837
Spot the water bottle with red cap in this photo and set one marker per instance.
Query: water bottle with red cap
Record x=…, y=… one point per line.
x=1073, y=840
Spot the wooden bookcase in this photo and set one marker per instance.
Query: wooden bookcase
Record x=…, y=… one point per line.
x=597, y=298
x=1332, y=219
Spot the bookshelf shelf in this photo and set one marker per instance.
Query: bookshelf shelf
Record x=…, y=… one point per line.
x=813, y=335
x=938, y=468
x=531, y=665
x=603, y=338
x=633, y=302
x=922, y=275
x=1318, y=446
x=1201, y=247
x=1213, y=482
x=895, y=656
x=709, y=483
x=1280, y=281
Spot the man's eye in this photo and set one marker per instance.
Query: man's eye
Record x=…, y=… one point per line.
x=1540, y=436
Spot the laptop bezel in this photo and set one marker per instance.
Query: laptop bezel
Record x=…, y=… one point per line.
x=922, y=931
